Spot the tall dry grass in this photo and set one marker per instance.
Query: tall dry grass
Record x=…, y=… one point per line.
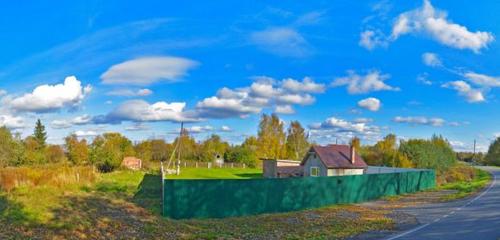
x=54, y=175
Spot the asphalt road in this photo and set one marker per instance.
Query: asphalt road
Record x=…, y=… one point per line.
x=475, y=218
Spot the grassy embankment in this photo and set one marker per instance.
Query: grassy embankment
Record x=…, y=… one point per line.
x=465, y=181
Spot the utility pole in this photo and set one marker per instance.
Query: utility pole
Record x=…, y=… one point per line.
x=178, y=170
x=474, y=153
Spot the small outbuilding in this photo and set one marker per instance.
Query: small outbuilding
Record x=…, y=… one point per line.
x=333, y=160
x=280, y=168
x=132, y=163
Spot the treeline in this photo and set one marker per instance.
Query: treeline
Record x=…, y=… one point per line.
x=107, y=151
x=435, y=153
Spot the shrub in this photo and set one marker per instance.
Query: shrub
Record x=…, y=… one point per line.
x=435, y=153
x=241, y=155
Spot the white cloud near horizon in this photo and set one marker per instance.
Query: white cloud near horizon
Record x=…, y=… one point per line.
x=123, y=92
x=148, y=70
x=12, y=122
x=435, y=122
x=48, y=98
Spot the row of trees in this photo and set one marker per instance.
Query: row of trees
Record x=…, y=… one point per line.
x=107, y=151
x=435, y=153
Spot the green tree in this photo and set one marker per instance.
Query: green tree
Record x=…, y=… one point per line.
x=435, y=153
x=78, y=151
x=271, y=137
x=213, y=146
x=11, y=149
x=187, y=146
x=40, y=134
x=493, y=155
x=107, y=151
x=241, y=154
x=296, y=141
x=33, y=152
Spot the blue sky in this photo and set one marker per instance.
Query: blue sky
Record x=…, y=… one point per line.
x=343, y=68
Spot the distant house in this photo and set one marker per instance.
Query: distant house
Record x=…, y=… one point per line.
x=333, y=160
x=132, y=163
x=278, y=168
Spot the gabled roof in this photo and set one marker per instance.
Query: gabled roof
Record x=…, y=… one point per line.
x=336, y=156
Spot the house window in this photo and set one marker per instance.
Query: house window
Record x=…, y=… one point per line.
x=314, y=171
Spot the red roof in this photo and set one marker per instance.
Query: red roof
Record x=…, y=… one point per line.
x=337, y=156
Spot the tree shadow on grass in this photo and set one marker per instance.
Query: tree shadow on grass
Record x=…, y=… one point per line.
x=14, y=222
x=249, y=175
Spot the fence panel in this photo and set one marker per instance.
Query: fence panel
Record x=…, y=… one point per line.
x=216, y=198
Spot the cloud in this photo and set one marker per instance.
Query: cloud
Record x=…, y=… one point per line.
x=12, y=122
x=307, y=85
x=137, y=127
x=370, y=39
x=148, y=70
x=434, y=23
x=225, y=128
x=482, y=79
x=48, y=98
x=79, y=120
x=200, y=129
x=263, y=93
x=336, y=128
x=372, y=104
x=142, y=111
x=358, y=84
x=285, y=109
x=465, y=90
x=84, y=134
x=431, y=59
x=436, y=122
x=363, y=120
x=2, y=92
x=131, y=93
x=423, y=78
x=281, y=41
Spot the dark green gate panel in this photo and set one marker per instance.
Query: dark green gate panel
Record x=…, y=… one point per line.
x=240, y=197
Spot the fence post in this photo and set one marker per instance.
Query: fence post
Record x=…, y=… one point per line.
x=196, y=164
x=209, y=165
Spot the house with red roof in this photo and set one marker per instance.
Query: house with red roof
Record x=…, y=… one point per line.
x=333, y=160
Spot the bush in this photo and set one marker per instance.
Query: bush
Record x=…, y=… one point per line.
x=457, y=173
x=434, y=154
x=493, y=155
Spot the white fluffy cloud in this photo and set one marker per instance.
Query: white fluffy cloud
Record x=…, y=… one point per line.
x=142, y=111
x=130, y=92
x=434, y=23
x=358, y=84
x=225, y=128
x=282, y=41
x=84, y=134
x=12, y=122
x=307, y=85
x=436, y=122
x=2, y=92
x=372, y=104
x=47, y=98
x=464, y=89
x=264, y=92
x=431, y=59
x=284, y=109
x=336, y=128
x=200, y=129
x=148, y=70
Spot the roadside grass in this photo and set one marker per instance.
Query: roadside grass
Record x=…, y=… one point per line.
x=465, y=188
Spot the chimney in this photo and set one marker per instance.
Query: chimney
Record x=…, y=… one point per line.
x=353, y=154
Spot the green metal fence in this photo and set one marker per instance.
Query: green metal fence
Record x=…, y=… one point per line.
x=223, y=198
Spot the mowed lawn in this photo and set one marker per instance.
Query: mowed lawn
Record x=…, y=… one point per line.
x=126, y=205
